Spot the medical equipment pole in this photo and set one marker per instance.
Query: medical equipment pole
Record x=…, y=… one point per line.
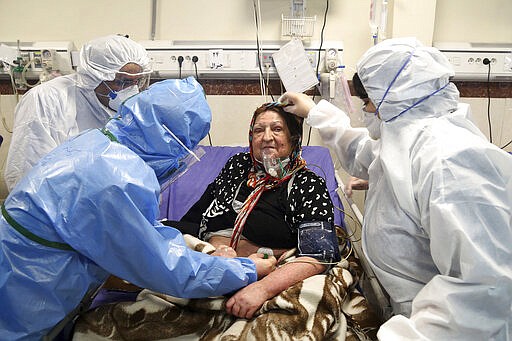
x=153, y=19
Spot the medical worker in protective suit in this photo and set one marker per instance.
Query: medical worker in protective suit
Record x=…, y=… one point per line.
x=89, y=208
x=111, y=69
x=437, y=226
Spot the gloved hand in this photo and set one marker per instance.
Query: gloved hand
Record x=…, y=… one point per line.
x=355, y=183
x=264, y=266
x=297, y=103
x=224, y=251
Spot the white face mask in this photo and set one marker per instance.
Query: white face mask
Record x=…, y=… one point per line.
x=116, y=98
x=372, y=123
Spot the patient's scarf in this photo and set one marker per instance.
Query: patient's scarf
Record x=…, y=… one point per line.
x=262, y=181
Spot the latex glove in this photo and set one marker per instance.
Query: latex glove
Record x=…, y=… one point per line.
x=297, y=103
x=245, y=302
x=355, y=183
x=263, y=266
x=224, y=251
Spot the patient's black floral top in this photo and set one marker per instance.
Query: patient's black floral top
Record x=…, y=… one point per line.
x=274, y=220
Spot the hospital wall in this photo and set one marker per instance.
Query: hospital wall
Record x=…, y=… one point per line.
x=203, y=20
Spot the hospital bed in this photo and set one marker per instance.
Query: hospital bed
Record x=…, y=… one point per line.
x=189, y=188
x=182, y=193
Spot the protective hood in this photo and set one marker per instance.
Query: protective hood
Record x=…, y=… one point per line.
x=101, y=59
x=163, y=124
x=401, y=76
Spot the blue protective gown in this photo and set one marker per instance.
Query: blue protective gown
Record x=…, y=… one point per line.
x=101, y=199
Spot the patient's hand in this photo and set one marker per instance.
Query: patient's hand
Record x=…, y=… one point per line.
x=263, y=266
x=247, y=300
x=224, y=251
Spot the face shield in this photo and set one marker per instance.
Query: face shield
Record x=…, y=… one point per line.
x=182, y=166
x=163, y=125
x=184, y=163
x=140, y=80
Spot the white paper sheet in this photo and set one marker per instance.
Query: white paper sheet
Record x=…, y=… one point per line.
x=294, y=67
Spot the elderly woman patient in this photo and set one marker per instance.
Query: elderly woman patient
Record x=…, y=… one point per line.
x=267, y=202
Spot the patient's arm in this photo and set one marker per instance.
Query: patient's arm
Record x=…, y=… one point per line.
x=264, y=265
x=249, y=299
x=245, y=247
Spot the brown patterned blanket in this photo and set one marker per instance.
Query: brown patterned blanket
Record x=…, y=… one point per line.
x=322, y=307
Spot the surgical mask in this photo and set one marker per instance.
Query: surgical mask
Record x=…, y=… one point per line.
x=372, y=123
x=116, y=98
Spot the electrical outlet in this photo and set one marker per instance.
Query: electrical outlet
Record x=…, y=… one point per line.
x=467, y=60
x=266, y=60
x=216, y=59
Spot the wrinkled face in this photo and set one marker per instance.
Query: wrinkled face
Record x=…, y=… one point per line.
x=270, y=132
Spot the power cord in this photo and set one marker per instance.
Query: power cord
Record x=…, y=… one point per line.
x=195, y=59
x=180, y=64
x=487, y=62
x=506, y=145
x=319, y=50
x=264, y=87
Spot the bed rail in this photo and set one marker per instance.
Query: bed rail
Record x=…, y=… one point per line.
x=377, y=293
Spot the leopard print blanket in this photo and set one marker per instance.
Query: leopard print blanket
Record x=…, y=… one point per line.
x=321, y=307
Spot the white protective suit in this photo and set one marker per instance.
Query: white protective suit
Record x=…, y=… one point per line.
x=50, y=113
x=437, y=227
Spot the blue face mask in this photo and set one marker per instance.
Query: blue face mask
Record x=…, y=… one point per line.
x=116, y=98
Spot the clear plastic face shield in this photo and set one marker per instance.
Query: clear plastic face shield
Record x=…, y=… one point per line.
x=184, y=163
x=124, y=80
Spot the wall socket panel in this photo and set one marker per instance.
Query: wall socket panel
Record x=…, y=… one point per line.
x=221, y=59
x=467, y=60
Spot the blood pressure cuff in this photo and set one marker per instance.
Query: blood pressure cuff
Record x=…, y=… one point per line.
x=318, y=240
